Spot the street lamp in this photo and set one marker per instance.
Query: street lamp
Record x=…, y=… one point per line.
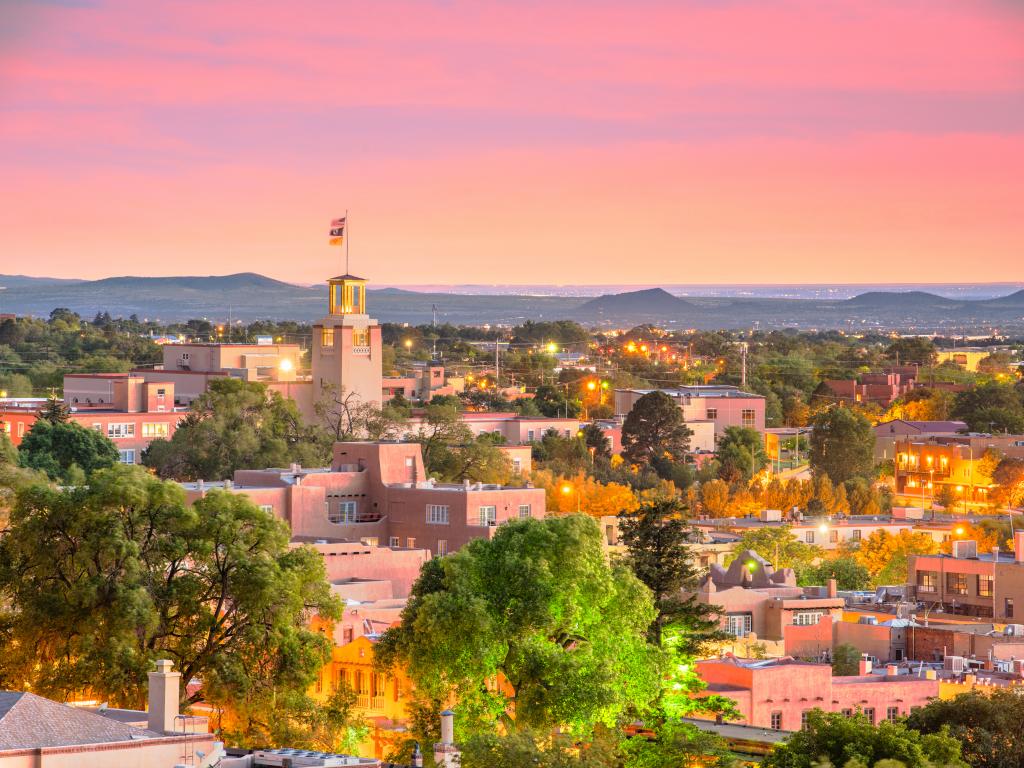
x=567, y=489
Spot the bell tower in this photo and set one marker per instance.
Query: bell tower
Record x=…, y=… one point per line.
x=346, y=351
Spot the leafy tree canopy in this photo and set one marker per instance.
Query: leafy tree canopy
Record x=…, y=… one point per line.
x=98, y=582
x=655, y=429
x=987, y=724
x=236, y=425
x=842, y=445
x=66, y=451
x=837, y=739
x=539, y=609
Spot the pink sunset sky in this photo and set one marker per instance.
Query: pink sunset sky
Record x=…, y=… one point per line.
x=692, y=141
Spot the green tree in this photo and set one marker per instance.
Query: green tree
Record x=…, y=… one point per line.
x=452, y=453
x=911, y=349
x=845, y=660
x=838, y=739
x=779, y=547
x=848, y=573
x=741, y=454
x=987, y=724
x=658, y=543
x=541, y=750
x=236, y=425
x=653, y=430
x=990, y=407
x=65, y=451
x=99, y=581
x=842, y=445
x=539, y=608
x=55, y=411
x=8, y=453
x=678, y=744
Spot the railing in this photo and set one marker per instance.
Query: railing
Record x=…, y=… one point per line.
x=360, y=350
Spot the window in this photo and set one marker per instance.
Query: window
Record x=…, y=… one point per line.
x=530, y=435
x=488, y=515
x=268, y=508
x=115, y=431
x=807, y=618
x=437, y=514
x=393, y=542
x=984, y=586
x=803, y=718
x=892, y=713
x=161, y=392
x=98, y=427
x=327, y=337
x=155, y=429
x=127, y=456
x=927, y=581
x=21, y=429
x=776, y=721
x=712, y=414
x=846, y=712
x=410, y=542
x=956, y=583
x=809, y=537
x=833, y=536
x=442, y=547
x=344, y=513
x=517, y=465
x=747, y=417
x=855, y=534
x=869, y=713
x=360, y=337
x=1008, y=607
x=524, y=510
x=738, y=624
x=370, y=541
x=346, y=635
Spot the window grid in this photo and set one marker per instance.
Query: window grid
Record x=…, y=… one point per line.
x=437, y=514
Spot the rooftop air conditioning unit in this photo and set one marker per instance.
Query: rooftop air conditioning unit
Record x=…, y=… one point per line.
x=953, y=663
x=965, y=549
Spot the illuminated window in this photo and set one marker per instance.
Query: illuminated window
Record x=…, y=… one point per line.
x=956, y=583
x=747, y=417
x=984, y=586
x=155, y=429
x=442, y=547
x=927, y=581
x=360, y=337
x=327, y=337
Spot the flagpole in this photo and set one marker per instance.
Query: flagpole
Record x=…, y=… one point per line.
x=345, y=232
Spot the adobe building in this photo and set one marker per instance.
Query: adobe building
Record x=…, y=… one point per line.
x=889, y=433
x=720, y=405
x=755, y=600
x=780, y=693
x=379, y=493
x=971, y=583
x=924, y=466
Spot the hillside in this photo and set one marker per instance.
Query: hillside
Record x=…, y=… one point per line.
x=249, y=296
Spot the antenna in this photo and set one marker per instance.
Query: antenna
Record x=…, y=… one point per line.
x=433, y=310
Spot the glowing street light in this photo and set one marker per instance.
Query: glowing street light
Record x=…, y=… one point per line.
x=567, y=489
x=552, y=347
x=408, y=343
x=286, y=365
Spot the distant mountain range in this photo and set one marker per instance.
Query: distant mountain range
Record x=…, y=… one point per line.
x=248, y=296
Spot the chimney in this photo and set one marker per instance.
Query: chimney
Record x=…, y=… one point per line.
x=833, y=589
x=446, y=754
x=864, y=668
x=1018, y=546
x=164, y=691
x=448, y=727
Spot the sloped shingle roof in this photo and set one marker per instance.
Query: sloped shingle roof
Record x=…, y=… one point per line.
x=28, y=721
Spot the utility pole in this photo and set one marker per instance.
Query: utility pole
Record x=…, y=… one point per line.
x=743, y=363
x=497, y=369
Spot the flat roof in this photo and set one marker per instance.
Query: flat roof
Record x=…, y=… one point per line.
x=738, y=731
x=699, y=390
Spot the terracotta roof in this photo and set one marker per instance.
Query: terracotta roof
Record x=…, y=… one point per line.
x=28, y=721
